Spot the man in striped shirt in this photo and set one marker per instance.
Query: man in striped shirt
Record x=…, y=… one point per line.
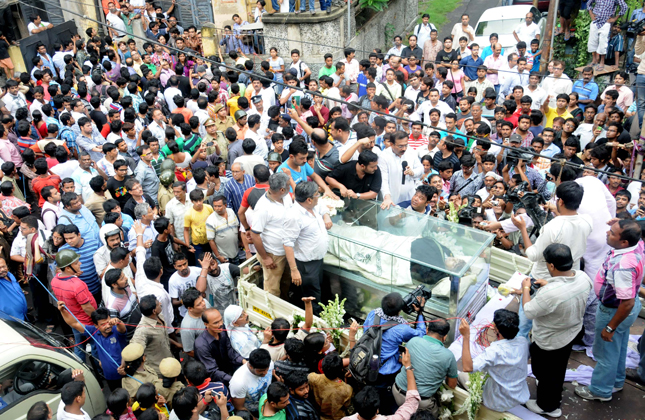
x=85, y=246
x=235, y=188
x=417, y=139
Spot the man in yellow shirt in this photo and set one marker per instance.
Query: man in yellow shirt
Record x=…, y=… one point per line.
x=195, y=222
x=561, y=103
x=232, y=102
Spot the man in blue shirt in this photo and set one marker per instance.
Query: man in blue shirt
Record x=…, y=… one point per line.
x=85, y=247
x=75, y=213
x=471, y=62
x=401, y=332
x=111, y=342
x=586, y=88
x=13, y=302
x=486, y=51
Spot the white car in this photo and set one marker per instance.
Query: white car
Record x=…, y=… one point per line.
x=503, y=21
x=30, y=366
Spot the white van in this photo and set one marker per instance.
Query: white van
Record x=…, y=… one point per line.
x=29, y=370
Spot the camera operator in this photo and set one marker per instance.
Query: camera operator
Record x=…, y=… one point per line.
x=433, y=363
x=568, y=228
x=389, y=312
x=516, y=164
x=556, y=309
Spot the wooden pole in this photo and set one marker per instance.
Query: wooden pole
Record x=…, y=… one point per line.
x=535, y=3
x=548, y=34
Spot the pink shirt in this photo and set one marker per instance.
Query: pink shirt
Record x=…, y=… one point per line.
x=404, y=412
x=494, y=64
x=9, y=153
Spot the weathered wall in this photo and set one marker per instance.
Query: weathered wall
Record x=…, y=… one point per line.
x=322, y=33
x=400, y=13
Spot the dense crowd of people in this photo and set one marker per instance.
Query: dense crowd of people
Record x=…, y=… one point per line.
x=137, y=177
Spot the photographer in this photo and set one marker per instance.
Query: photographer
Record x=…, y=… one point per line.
x=433, y=363
x=516, y=164
x=556, y=309
x=388, y=313
x=568, y=228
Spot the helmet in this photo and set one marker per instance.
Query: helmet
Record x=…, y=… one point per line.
x=167, y=177
x=239, y=114
x=274, y=157
x=167, y=164
x=66, y=257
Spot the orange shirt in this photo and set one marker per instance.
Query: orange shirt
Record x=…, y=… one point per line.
x=187, y=113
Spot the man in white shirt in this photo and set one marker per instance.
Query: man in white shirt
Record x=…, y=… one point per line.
x=400, y=170
x=249, y=160
x=117, y=25
x=72, y=400
x=182, y=279
x=170, y=92
x=158, y=125
x=51, y=208
x=59, y=56
x=527, y=31
x=557, y=83
x=148, y=278
x=261, y=148
x=267, y=232
x=396, y=49
x=537, y=94
x=423, y=111
x=177, y=208
x=302, y=70
x=423, y=29
x=463, y=29
x=305, y=239
x=83, y=174
x=38, y=25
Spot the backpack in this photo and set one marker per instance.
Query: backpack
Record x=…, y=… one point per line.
x=307, y=79
x=368, y=345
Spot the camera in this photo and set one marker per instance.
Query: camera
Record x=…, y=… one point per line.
x=411, y=298
x=514, y=156
x=633, y=28
x=534, y=287
x=514, y=194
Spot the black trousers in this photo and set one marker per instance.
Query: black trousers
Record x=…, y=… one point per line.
x=312, y=276
x=549, y=368
x=46, y=311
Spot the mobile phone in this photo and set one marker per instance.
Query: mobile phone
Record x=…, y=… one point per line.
x=402, y=348
x=210, y=144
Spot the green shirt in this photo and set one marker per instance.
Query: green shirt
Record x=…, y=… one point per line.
x=280, y=415
x=432, y=363
x=156, y=163
x=166, y=151
x=324, y=71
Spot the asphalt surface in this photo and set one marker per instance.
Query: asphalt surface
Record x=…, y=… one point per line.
x=474, y=8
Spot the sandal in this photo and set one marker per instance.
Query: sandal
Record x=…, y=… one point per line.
x=600, y=67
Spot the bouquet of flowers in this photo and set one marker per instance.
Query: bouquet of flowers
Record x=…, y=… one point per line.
x=332, y=205
x=332, y=315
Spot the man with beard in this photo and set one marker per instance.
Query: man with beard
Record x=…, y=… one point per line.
x=360, y=179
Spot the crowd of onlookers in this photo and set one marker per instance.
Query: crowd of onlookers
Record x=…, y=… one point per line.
x=138, y=176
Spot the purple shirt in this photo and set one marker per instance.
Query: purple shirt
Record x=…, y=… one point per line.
x=620, y=275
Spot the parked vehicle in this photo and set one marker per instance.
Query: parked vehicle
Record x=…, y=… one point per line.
x=543, y=5
x=30, y=366
x=503, y=21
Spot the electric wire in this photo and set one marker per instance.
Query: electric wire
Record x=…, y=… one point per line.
x=353, y=104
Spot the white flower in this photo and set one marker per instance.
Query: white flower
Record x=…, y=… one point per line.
x=445, y=414
x=446, y=395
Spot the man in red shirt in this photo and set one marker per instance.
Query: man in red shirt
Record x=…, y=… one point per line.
x=250, y=197
x=43, y=179
x=68, y=288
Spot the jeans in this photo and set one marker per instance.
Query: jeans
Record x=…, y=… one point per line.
x=303, y=5
x=325, y=4
x=292, y=6
x=278, y=88
x=525, y=323
x=640, y=91
x=275, y=5
x=641, y=351
x=78, y=350
x=610, y=356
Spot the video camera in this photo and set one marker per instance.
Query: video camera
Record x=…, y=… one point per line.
x=633, y=28
x=411, y=298
x=515, y=155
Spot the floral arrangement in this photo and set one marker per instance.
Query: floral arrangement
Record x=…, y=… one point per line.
x=453, y=213
x=473, y=401
x=332, y=316
x=332, y=205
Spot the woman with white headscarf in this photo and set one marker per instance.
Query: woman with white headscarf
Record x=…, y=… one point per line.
x=243, y=340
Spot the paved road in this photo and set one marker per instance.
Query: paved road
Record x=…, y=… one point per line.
x=474, y=8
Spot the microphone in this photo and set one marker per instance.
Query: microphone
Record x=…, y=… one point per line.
x=404, y=166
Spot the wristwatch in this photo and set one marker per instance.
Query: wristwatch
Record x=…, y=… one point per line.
x=358, y=195
x=409, y=367
x=609, y=329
